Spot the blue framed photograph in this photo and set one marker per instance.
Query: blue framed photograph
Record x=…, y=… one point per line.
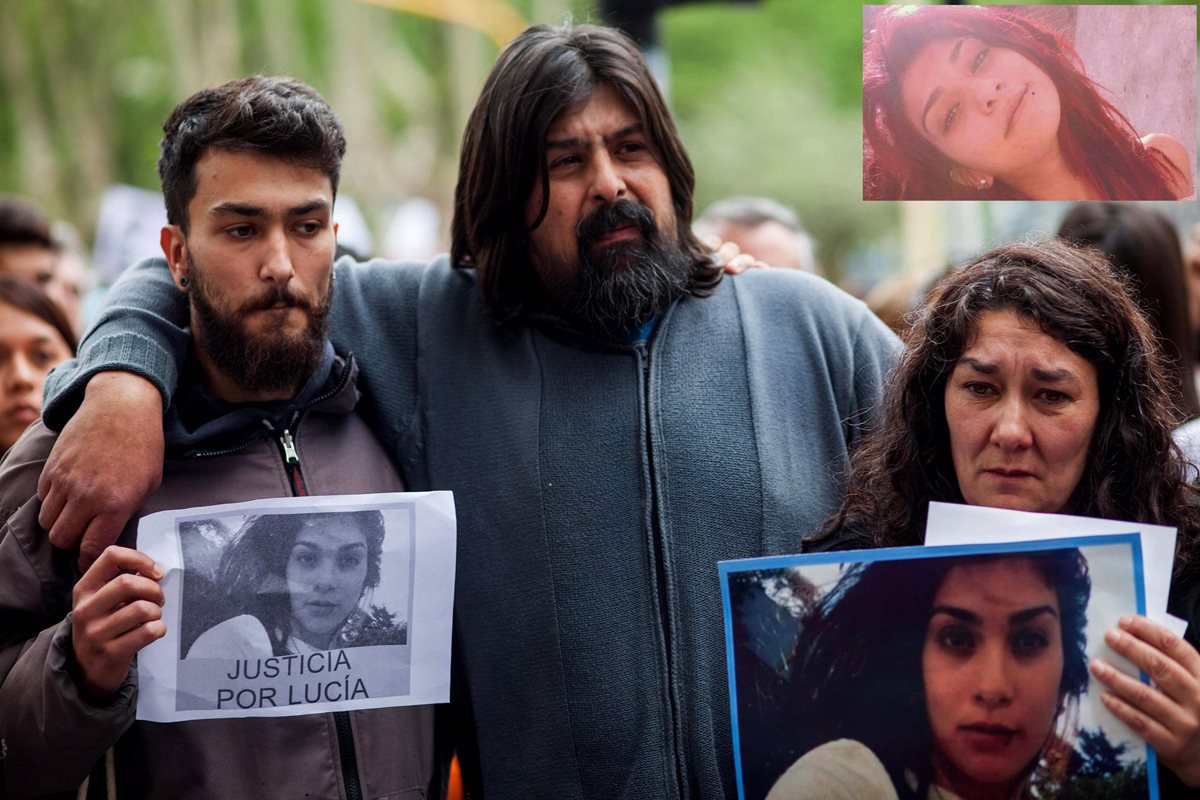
x=920, y=672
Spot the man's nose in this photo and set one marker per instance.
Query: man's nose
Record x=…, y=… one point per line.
x=608, y=184
x=276, y=259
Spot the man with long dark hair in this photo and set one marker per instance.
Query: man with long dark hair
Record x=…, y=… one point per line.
x=612, y=416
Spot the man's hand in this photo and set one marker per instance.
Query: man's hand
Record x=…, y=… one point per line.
x=730, y=256
x=104, y=465
x=117, y=610
x=1167, y=714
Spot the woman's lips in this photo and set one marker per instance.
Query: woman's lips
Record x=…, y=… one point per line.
x=1020, y=104
x=988, y=736
x=23, y=414
x=1001, y=472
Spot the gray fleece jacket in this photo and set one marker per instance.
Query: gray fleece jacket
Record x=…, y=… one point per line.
x=596, y=487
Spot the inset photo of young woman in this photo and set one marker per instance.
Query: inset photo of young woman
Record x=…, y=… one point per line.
x=1029, y=102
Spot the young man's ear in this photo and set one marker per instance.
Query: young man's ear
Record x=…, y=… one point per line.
x=174, y=247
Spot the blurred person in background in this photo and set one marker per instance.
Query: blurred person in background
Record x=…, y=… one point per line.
x=979, y=102
x=31, y=251
x=763, y=228
x=1144, y=244
x=34, y=338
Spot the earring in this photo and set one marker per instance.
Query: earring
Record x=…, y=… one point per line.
x=183, y=281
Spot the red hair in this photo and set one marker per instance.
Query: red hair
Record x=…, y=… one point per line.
x=1098, y=142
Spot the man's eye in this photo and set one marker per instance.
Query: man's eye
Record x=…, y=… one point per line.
x=240, y=231
x=565, y=161
x=309, y=227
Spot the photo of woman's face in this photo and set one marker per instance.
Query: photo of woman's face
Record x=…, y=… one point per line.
x=988, y=109
x=326, y=570
x=992, y=663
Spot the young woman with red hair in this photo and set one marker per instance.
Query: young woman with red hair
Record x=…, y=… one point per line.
x=982, y=102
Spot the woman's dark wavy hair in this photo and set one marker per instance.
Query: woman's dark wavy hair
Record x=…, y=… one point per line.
x=254, y=565
x=1098, y=142
x=857, y=672
x=1144, y=244
x=27, y=297
x=1134, y=470
x=544, y=73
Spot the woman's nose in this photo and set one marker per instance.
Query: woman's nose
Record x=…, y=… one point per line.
x=987, y=93
x=1011, y=429
x=994, y=686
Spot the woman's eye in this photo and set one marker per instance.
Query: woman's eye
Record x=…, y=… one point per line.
x=980, y=57
x=565, y=161
x=979, y=389
x=1029, y=642
x=1053, y=396
x=306, y=560
x=43, y=358
x=957, y=640
x=349, y=562
x=951, y=115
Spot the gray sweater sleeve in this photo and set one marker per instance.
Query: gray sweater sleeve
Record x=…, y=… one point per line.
x=141, y=329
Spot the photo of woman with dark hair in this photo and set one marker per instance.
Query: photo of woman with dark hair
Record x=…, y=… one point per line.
x=298, y=584
x=967, y=687
x=985, y=102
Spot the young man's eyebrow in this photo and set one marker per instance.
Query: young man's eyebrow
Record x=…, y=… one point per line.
x=237, y=209
x=937, y=93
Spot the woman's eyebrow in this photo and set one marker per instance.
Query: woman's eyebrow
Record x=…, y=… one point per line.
x=957, y=613
x=1029, y=614
x=937, y=93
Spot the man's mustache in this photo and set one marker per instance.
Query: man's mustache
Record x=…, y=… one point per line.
x=273, y=296
x=614, y=215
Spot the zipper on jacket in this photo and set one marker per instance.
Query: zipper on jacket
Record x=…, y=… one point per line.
x=347, y=753
x=660, y=555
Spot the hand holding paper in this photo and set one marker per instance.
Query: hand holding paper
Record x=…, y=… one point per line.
x=117, y=610
x=1167, y=714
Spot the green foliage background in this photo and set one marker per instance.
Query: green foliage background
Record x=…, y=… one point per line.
x=767, y=95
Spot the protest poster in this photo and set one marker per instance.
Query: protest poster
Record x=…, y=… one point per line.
x=300, y=605
x=962, y=670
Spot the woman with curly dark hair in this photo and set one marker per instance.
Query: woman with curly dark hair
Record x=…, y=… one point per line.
x=1032, y=381
x=983, y=102
x=970, y=683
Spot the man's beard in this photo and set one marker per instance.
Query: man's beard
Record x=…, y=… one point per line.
x=622, y=286
x=259, y=363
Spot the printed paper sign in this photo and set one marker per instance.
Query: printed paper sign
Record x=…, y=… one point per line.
x=300, y=605
x=933, y=671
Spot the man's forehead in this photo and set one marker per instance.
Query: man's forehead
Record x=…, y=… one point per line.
x=226, y=179
x=604, y=111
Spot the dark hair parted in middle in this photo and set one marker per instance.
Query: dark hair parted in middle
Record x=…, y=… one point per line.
x=27, y=297
x=544, y=73
x=274, y=116
x=1134, y=471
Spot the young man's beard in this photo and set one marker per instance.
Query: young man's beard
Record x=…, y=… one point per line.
x=272, y=361
x=622, y=286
